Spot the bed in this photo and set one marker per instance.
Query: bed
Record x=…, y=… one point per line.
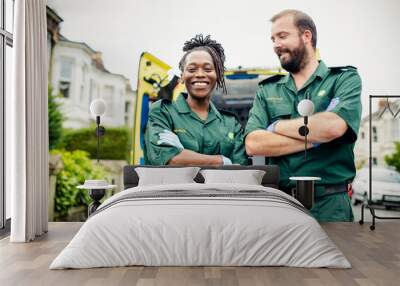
x=201, y=224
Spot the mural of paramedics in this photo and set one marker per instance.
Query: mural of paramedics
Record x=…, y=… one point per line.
x=273, y=126
x=191, y=130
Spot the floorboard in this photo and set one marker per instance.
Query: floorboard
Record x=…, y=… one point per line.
x=374, y=255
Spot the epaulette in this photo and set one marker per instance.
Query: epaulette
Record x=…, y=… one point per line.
x=166, y=100
x=342, y=68
x=230, y=113
x=270, y=79
x=227, y=112
x=159, y=103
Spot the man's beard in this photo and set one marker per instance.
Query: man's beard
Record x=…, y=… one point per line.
x=297, y=59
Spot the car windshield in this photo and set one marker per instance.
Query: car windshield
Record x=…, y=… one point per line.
x=242, y=88
x=387, y=176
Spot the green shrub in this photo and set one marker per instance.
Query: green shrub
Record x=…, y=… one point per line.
x=55, y=120
x=77, y=168
x=113, y=145
x=394, y=158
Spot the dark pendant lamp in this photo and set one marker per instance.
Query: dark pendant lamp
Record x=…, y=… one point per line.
x=97, y=109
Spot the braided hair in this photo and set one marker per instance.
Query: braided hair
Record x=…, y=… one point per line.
x=216, y=51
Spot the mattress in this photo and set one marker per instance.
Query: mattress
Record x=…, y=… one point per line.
x=201, y=225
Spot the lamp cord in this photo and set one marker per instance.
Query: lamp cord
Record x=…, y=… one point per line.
x=306, y=129
x=98, y=137
x=305, y=136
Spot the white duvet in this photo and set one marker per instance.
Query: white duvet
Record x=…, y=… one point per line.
x=201, y=230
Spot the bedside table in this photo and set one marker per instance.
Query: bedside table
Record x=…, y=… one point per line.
x=304, y=191
x=97, y=190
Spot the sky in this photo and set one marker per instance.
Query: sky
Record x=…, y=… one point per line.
x=362, y=33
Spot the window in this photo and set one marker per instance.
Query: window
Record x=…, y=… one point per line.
x=9, y=17
x=82, y=93
x=48, y=49
x=93, y=91
x=362, y=135
x=64, y=87
x=8, y=84
x=6, y=43
x=108, y=96
x=64, y=84
x=84, y=73
x=395, y=129
x=66, y=68
x=374, y=161
x=127, y=107
x=374, y=134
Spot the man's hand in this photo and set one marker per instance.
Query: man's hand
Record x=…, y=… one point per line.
x=272, y=126
x=332, y=104
x=290, y=128
x=169, y=138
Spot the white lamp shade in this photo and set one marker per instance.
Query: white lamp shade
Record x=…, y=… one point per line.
x=305, y=107
x=98, y=107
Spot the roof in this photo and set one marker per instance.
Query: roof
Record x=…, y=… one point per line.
x=393, y=108
x=53, y=15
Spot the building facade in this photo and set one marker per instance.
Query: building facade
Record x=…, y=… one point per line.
x=78, y=76
x=385, y=131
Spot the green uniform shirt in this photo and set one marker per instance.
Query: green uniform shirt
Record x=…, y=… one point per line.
x=220, y=134
x=277, y=98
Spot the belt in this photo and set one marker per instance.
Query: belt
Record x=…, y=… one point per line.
x=333, y=189
x=324, y=190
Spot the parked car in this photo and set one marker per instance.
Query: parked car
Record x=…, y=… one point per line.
x=385, y=187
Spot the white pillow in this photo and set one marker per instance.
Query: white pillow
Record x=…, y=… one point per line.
x=249, y=177
x=164, y=176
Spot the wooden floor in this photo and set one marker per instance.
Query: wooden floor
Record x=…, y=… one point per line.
x=375, y=256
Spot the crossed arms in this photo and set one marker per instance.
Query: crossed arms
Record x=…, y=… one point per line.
x=189, y=157
x=323, y=126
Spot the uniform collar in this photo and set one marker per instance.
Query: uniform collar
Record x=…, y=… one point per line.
x=181, y=104
x=321, y=71
x=183, y=107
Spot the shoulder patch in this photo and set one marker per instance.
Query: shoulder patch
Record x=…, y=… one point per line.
x=270, y=79
x=342, y=68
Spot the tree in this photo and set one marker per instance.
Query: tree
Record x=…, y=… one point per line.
x=55, y=121
x=394, y=159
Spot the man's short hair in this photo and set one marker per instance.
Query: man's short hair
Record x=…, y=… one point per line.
x=302, y=21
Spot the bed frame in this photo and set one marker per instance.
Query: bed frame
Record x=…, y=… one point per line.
x=270, y=179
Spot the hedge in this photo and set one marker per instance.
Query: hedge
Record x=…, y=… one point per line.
x=114, y=145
